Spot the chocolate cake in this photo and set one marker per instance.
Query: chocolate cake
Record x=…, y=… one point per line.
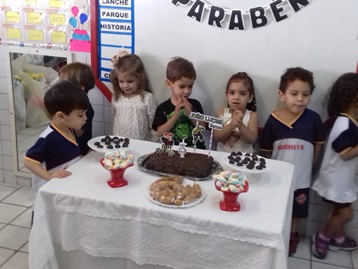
x=192, y=165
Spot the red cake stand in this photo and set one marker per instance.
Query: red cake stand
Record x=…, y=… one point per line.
x=117, y=176
x=230, y=202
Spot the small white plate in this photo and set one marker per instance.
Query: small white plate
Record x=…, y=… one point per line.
x=243, y=168
x=185, y=182
x=91, y=144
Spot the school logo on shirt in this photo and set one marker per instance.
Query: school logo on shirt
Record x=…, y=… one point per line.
x=301, y=199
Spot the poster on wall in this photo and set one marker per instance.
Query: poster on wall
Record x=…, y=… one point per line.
x=51, y=24
x=115, y=22
x=112, y=30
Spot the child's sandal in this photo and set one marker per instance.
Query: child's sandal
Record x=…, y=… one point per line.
x=319, y=246
x=347, y=244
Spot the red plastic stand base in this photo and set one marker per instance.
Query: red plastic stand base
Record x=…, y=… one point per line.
x=116, y=183
x=230, y=202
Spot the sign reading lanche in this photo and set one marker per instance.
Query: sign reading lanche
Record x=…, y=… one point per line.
x=235, y=17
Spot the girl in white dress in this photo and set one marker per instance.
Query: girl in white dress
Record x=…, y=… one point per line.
x=335, y=183
x=133, y=105
x=240, y=126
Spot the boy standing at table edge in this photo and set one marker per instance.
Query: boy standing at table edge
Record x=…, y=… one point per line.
x=173, y=115
x=57, y=146
x=295, y=134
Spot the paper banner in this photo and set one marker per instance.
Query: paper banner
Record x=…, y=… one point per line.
x=58, y=36
x=34, y=17
x=12, y=16
x=57, y=19
x=35, y=35
x=13, y=33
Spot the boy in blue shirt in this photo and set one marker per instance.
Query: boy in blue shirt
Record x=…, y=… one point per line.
x=295, y=134
x=57, y=146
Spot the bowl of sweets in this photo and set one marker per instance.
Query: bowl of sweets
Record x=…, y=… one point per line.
x=231, y=184
x=117, y=162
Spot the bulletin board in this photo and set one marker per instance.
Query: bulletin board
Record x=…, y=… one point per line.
x=51, y=24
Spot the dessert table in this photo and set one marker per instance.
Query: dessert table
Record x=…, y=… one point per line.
x=80, y=222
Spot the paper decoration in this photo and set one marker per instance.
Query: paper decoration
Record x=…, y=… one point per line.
x=80, y=40
x=167, y=144
x=182, y=150
x=234, y=19
x=60, y=21
x=214, y=123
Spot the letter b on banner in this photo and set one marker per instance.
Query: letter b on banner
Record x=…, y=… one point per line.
x=258, y=17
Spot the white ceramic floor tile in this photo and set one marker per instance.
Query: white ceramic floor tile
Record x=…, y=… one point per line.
x=294, y=263
x=24, y=220
x=18, y=261
x=5, y=191
x=5, y=254
x=318, y=265
x=10, y=212
x=355, y=259
x=303, y=248
x=25, y=248
x=14, y=237
x=338, y=258
x=21, y=197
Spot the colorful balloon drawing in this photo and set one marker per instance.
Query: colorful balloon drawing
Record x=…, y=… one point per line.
x=73, y=22
x=83, y=18
x=74, y=11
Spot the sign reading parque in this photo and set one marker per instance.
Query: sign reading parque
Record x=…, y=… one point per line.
x=234, y=19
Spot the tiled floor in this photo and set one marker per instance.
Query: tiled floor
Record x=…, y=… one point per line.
x=15, y=217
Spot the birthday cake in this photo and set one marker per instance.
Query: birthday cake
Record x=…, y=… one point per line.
x=192, y=165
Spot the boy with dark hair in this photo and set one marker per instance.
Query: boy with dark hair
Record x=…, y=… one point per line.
x=295, y=134
x=173, y=115
x=57, y=146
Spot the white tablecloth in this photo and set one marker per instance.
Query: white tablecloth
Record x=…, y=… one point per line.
x=80, y=222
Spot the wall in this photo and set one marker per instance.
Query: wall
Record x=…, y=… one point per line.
x=321, y=37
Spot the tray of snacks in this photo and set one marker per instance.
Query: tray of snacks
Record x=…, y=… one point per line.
x=175, y=192
x=246, y=162
x=107, y=143
x=195, y=167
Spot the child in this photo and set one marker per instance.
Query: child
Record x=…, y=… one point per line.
x=339, y=167
x=133, y=106
x=295, y=134
x=240, y=118
x=173, y=115
x=57, y=146
x=82, y=75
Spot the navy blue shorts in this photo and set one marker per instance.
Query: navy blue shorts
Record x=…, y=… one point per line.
x=337, y=205
x=300, y=203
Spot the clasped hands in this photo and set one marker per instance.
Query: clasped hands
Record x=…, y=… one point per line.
x=236, y=119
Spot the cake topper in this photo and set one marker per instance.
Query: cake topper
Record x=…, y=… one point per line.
x=198, y=134
x=182, y=150
x=167, y=143
x=214, y=123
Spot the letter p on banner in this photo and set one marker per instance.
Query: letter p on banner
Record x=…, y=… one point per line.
x=182, y=2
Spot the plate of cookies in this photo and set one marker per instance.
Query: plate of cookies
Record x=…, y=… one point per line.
x=107, y=143
x=175, y=192
x=247, y=162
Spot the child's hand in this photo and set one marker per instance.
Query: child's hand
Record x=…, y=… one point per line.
x=187, y=106
x=236, y=119
x=61, y=174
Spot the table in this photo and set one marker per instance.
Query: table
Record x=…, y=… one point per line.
x=80, y=222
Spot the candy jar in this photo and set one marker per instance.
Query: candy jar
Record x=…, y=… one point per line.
x=117, y=163
x=231, y=184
